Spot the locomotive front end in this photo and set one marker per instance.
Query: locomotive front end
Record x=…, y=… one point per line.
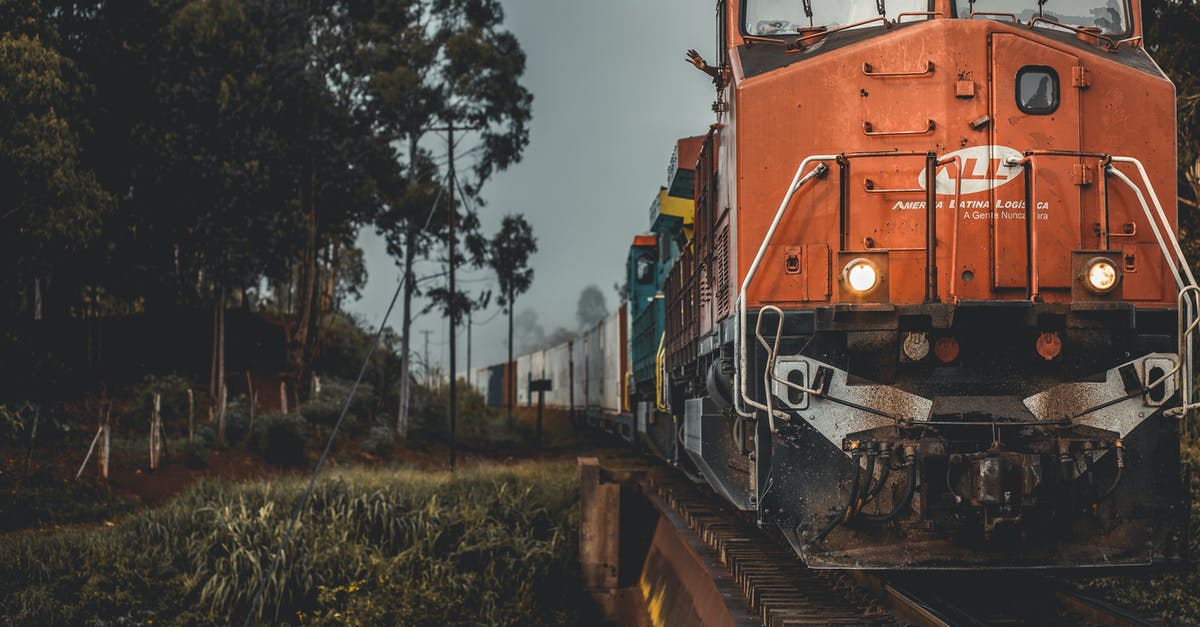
x=955, y=330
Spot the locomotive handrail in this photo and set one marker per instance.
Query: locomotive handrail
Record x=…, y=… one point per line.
x=1032, y=276
x=869, y=71
x=1135, y=41
x=660, y=374
x=754, y=39
x=1189, y=292
x=927, y=14
x=957, y=161
x=772, y=355
x=975, y=14
x=869, y=130
x=741, y=398
x=1188, y=299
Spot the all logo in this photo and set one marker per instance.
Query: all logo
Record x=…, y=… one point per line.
x=983, y=168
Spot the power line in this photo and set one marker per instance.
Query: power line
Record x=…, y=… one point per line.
x=494, y=316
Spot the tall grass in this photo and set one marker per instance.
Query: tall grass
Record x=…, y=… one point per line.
x=489, y=545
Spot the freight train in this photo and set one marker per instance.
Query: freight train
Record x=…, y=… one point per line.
x=915, y=299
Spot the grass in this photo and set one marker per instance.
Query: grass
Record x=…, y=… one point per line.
x=1173, y=598
x=59, y=503
x=489, y=545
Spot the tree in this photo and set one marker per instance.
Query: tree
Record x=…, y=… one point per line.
x=510, y=251
x=52, y=203
x=592, y=308
x=450, y=63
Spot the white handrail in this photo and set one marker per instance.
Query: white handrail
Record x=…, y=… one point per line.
x=1161, y=214
x=741, y=399
x=1188, y=300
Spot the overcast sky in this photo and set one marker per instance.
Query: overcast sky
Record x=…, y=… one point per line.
x=611, y=95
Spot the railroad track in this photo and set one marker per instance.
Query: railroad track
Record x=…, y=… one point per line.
x=782, y=592
x=994, y=599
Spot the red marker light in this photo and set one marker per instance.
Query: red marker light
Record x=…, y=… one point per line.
x=946, y=349
x=1049, y=346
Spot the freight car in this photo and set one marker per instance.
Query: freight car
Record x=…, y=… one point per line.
x=915, y=299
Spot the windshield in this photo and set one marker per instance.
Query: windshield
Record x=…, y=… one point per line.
x=784, y=17
x=1109, y=15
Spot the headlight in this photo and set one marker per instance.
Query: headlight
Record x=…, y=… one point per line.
x=1101, y=276
x=861, y=275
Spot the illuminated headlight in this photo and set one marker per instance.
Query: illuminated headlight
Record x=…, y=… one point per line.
x=1101, y=275
x=861, y=275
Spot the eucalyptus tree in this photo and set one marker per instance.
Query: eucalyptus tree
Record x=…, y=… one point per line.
x=52, y=204
x=436, y=64
x=510, y=251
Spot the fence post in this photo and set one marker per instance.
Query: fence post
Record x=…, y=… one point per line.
x=104, y=446
x=155, y=431
x=191, y=416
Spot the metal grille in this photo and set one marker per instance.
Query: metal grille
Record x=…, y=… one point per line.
x=720, y=274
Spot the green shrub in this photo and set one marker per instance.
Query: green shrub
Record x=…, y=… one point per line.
x=56, y=502
x=237, y=420
x=195, y=455
x=173, y=405
x=430, y=417
x=206, y=435
x=380, y=442
x=325, y=407
x=485, y=546
x=279, y=438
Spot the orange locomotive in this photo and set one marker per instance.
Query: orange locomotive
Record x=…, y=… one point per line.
x=933, y=313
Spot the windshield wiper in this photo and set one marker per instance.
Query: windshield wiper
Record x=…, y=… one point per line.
x=879, y=4
x=808, y=12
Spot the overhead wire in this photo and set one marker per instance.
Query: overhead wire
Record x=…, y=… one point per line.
x=258, y=595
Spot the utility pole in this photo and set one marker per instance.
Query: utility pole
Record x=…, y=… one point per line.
x=453, y=295
x=452, y=244
x=469, y=375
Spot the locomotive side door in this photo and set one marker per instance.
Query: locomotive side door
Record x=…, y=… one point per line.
x=1034, y=106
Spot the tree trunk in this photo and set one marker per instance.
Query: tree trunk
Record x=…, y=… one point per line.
x=305, y=339
x=330, y=280
x=212, y=367
x=251, y=401
x=512, y=366
x=191, y=416
x=222, y=395
x=37, y=298
x=410, y=257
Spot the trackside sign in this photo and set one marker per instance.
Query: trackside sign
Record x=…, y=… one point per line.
x=983, y=168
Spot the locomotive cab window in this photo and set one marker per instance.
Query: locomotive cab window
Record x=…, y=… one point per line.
x=765, y=18
x=644, y=270
x=1110, y=16
x=1037, y=90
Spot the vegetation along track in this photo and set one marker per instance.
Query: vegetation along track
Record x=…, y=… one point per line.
x=782, y=592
